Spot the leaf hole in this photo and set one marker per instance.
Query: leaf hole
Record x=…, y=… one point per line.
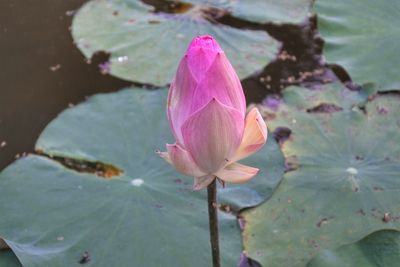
x=85, y=258
x=291, y=164
x=171, y=7
x=281, y=134
x=97, y=168
x=341, y=73
x=322, y=222
x=325, y=108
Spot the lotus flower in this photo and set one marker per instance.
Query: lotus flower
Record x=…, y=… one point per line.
x=207, y=114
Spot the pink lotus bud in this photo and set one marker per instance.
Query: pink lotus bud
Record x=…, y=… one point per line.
x=206, y=111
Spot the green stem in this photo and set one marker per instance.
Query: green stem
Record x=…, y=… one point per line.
x=213, y=219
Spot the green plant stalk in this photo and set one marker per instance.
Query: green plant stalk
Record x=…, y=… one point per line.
x=213, y=220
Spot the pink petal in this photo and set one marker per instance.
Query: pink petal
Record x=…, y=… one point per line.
x=180, y=96
x=181, y=160
x=212, y=135
x=237, y=173
x=220, y=82
x=192, y=68
x=254, y=137
x=202, y=182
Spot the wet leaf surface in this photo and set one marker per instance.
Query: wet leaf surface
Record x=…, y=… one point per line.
x=146, y=46
x=344, y=180
x=68, y=212
x=362, y=37
x=381, y=248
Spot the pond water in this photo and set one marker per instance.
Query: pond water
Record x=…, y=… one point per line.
x=42, y=71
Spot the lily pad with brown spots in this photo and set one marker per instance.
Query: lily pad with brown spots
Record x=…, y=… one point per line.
x=343, y=183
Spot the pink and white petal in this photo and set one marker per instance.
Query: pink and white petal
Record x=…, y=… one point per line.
x=254, y=136
x=180, y=97
x=183, y=161
x=199, y=60
x=237, y=173
x=222, y=83
x=212, y=135
x=202, y=182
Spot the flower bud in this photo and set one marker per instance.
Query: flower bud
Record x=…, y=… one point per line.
x=206, y=111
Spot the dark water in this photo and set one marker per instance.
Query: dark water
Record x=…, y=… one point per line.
x=42, y=72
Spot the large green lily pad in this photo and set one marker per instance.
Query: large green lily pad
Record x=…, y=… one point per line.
x=147, y=46
x=378, y=249
x=264, y=11
x=55, y=215
x=363, y=37
x=345, y=183
x=145, y=214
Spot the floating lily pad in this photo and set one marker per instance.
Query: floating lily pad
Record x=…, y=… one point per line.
x=378, y=249
x=57, y=217
x=8, y=259
x=344, y=183
x=146, y=46
x=328, y=98
x=112, y=196
x=363, y=37
x=264, y=11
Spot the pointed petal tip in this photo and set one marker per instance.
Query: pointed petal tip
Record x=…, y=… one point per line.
x=205, y=42
x=256, y=171
x=261, y=123
x=164, y=155
x=158, y=152
x=202, y=182
x=182, y=160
